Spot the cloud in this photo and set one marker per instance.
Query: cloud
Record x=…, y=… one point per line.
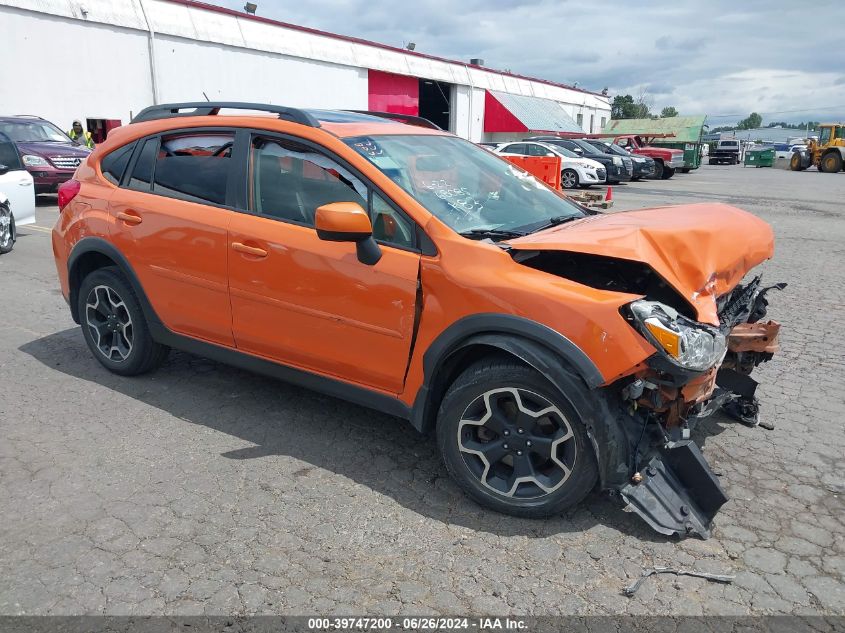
x=717, y=58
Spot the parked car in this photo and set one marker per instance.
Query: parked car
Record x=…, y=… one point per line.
x=575, y=171
x=405, y=269
x=17, y=194
x=786, y=150
x=48, y=153
x=644, y=167
x=618, y=168
x=666, y=160
x=726, y=152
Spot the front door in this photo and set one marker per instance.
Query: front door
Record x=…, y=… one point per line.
x=170, y=222
x=310, y=303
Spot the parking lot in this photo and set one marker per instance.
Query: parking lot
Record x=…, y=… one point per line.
x=205, y=489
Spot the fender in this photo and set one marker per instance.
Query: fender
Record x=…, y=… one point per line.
x=99, y=245
x=554, y=356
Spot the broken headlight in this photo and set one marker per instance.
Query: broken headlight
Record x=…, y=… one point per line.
x=687, y=343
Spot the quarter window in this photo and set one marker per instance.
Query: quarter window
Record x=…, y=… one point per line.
x=194, y=167
x=290, y=180
x=114, y=164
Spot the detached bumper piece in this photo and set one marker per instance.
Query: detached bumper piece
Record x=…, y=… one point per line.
x=678, y=495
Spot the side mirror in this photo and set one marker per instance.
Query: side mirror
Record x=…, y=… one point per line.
x=348, y=222
x=550, y=154
x=4, y=169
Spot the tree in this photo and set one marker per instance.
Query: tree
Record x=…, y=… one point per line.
x=668, y=111
x=751, y=122
x=625, y=107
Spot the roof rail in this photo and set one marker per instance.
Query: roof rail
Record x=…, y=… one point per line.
x=206, y=108
x=404, y=118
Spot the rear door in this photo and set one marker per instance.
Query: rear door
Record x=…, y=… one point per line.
x=310, y=303
x=170, y=220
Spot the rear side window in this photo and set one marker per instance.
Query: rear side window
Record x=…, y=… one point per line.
x=142, y=172
x=194, y=167
x=114, y=163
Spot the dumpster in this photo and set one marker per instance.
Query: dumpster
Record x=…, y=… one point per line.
x=692, y=152
x=760, y=157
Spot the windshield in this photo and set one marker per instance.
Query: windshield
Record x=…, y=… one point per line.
x=589, y=148
x=466, y=187
x=30, y=131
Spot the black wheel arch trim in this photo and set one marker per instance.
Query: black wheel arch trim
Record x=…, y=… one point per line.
x=534, y=343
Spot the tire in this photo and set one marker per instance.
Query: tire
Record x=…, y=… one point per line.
x=668, y=172
x=8, y=234
x=113, y=324
x=545, y=488
x=685, y=170
x=569, y=176
x=831, y=163
x=795, y=162
x=658, y=170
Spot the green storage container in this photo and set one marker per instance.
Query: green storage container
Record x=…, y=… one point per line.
x=760, y=158
x=692, y=151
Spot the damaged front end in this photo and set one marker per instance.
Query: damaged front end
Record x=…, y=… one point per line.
x=698, y=370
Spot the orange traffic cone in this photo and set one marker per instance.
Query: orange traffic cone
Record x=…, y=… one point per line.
x=609, y=196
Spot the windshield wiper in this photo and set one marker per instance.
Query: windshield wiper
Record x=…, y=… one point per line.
x=555, y=221
x=492, y=233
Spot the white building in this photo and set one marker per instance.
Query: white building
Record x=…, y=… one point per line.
x=104, y=60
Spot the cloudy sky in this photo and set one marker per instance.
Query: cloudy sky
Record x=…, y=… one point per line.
x=781, y=58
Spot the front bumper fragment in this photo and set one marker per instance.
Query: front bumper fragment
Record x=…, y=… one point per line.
x=678, y=494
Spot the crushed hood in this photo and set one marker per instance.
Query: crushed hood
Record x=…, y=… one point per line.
x=702, y=250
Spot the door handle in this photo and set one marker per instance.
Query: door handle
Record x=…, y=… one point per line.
x=249, y=250
x=23, y=183
x=129, y=217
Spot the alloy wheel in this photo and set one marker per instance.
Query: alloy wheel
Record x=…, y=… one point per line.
x=5, y=227
x=109, y=322
x=517, y=443
x=570, y=179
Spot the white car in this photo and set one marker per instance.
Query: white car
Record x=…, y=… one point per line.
x=17, y=195
x=575, y=171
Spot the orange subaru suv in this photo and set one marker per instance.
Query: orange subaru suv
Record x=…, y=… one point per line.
x=379, y=259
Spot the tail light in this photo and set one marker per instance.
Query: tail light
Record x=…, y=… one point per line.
x=67, y=192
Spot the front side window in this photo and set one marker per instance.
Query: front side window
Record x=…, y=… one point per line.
x=466, y=187
x=194, y=167
x=290, y=180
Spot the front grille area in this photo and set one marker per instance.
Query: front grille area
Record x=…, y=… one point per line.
x=601, y=173
x=66, y=162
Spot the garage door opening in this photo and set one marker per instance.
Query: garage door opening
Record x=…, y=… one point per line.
x=436, y=102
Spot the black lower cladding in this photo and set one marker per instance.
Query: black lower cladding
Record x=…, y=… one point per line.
x=679, y=494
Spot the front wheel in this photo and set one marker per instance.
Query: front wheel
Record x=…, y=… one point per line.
x=569, y=179
x=7, y=229
x=658, y=170
x=795, y=163
x=668, y=172
x=513, y=443
x=113, y=324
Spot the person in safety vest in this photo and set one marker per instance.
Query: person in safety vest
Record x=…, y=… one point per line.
x=81, y=136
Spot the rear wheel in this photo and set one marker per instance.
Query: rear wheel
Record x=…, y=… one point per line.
x=831, y=163
x=114, y=326
x=7, y=229
x=512, y=441
x=569, y=178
